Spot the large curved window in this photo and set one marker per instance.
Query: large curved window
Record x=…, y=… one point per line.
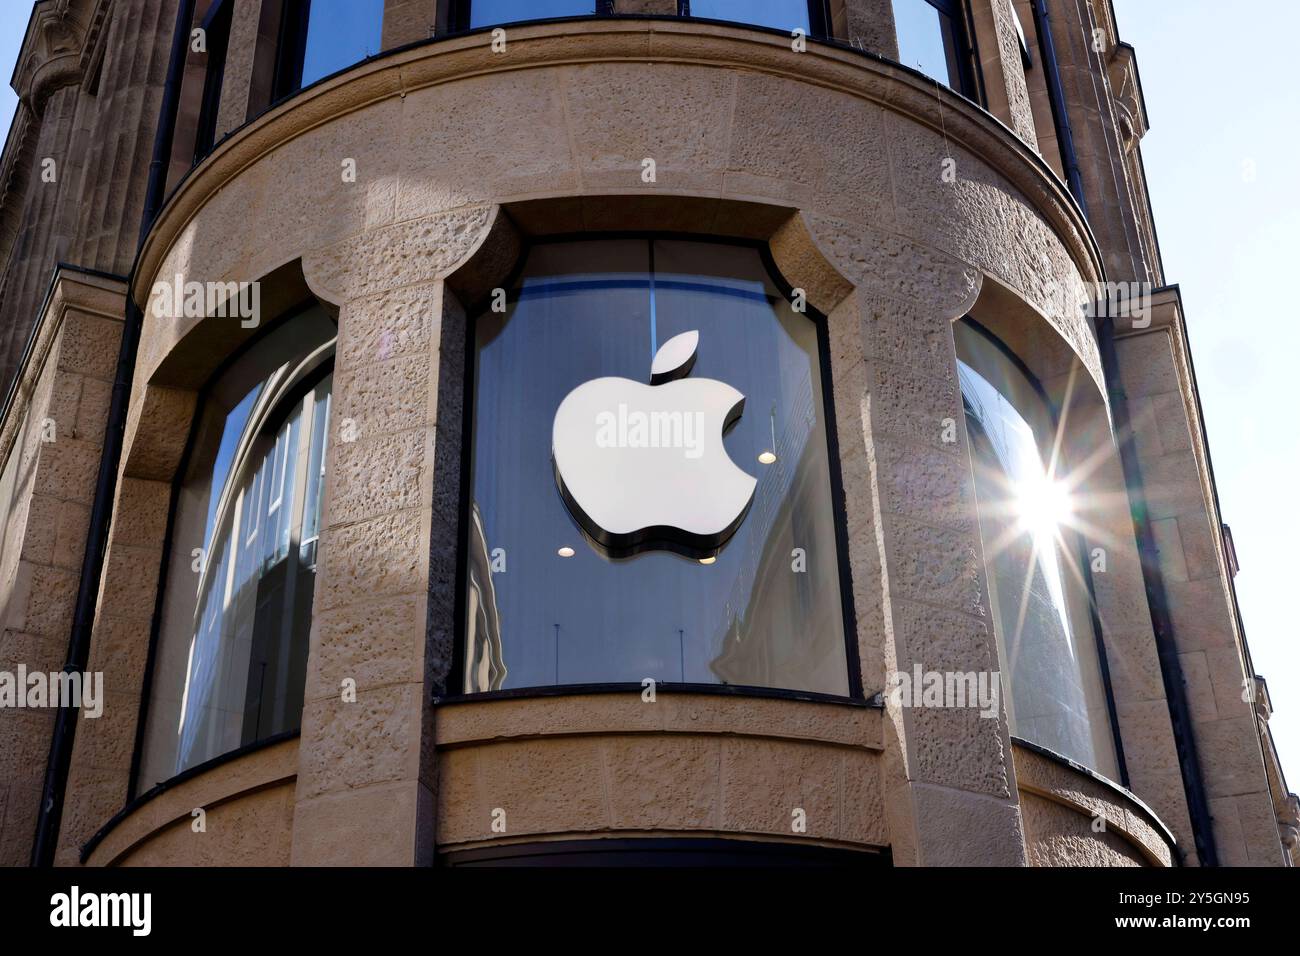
x=1039, y=595
x=550, y=602
x=230, y=663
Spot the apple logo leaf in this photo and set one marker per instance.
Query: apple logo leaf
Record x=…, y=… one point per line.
x=675, y=358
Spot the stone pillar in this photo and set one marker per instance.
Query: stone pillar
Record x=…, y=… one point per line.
x=119, y=147
x=365, y=792
x=663, y=8
x=867, y=25
x=99, y=777
x=1002, y=66
x=56, y=430
x=918, y=571
x=241, y=57
x=39, y=243
x=408, y=21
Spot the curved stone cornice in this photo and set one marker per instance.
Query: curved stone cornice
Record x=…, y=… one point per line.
x=630, y=40
x=54, y=49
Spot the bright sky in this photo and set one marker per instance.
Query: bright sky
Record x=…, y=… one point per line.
x=1220, y=163
x=1225, y=133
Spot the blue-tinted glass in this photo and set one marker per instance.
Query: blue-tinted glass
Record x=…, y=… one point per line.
x=592, y=309
x=926, y=41
x=779, y=14
x=485, y=13
x=340, y=33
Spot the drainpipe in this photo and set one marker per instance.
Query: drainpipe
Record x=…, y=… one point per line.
x=92, y=565
x=1056, y=96
x=1171, y=671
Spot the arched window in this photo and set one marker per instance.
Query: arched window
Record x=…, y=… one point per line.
x=1038, y=585
x=579, y=565
x=230, y=660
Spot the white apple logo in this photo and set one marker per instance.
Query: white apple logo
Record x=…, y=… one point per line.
x=643, y=467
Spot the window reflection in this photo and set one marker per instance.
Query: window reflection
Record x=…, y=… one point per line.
x=232, y=647
x=486, y=13
x=589, y=309
x=930, y=39
x=1039, y=598
x=339, y=34
x=786, y=15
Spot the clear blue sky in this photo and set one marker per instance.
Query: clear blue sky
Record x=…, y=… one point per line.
x=1220, y=158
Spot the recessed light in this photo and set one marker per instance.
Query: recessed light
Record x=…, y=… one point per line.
x=565, y=552
x=708, y=560
x=767, y=457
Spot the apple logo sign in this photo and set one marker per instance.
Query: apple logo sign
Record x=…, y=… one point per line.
x=643, y=467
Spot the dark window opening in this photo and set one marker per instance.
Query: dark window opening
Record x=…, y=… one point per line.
x=216, y=27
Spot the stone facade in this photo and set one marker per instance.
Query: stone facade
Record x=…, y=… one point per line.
x=837, y=159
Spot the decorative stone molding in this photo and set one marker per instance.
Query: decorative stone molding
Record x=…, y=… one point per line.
x=396, y=75
x=1126, y=90
x=55, y=50
x=253, y=830
x=1095, y=807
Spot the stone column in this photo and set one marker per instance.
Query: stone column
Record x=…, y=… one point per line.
x=366, y=788
x=241, y=56
x=1002, y=66
x=63, y=399
x=867, y=25
x=918, y=571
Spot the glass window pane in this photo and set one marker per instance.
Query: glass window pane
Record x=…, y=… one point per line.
x=232, y=645
x=485, y=13
x=786, y=15
x=592, y=309
x=1039, y=597
x=927, y=41
x=339, y=34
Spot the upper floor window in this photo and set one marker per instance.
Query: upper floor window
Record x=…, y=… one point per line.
x=932, y=38
x=230, y=661
x=784, y=15
x=486, y=13
x=320, y=37
x=1038, y=590
x=675, y=519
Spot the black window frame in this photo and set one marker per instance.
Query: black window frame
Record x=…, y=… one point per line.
x=291, y=48
x=454, y=691
x=969, y=77
x=216, y=28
